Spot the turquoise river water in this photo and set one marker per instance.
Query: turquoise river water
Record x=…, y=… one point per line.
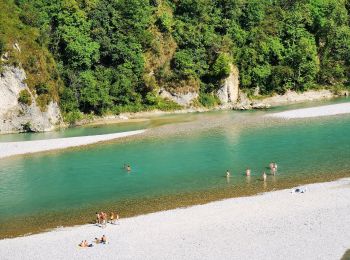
x=178, y=156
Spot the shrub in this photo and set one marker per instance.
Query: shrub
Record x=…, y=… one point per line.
x=221, y=67
x=2, y=46
x=167, y=105
x=72, y=117
x=25, y=97
x=42, y=88
x=208, y=100
x=27, y=127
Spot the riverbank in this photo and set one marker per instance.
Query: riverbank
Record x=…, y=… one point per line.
x=17, y=148
x=290, y=97
x=330, y=110
x=274, y=225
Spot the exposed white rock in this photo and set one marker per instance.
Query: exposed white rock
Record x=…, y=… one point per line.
x=183, y=99
x=243, y=103
x=260, y=105
x=5, y=56
x=16, y=47
x=229, y=91
x=292, y=96
x=14, y=116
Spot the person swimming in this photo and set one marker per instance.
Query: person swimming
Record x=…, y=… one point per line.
x=228, y=174
x=247, y=172
x=128, y=168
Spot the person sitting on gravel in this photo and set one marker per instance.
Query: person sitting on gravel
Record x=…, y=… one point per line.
x=85, y=244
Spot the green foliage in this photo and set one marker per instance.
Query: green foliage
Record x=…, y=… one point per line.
x=2, y=46
x=156, y=102
x=221, y=67
x=72, y=117
x=165, y=23
x=208, y=100
x=25, y=97
x=42, y=88
x=114, y=54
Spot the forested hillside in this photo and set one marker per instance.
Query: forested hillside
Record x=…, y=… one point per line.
x=115, y=55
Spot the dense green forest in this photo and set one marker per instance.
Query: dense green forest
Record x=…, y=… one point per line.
x=114, y=55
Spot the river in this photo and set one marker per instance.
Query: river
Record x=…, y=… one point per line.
x=180, y=161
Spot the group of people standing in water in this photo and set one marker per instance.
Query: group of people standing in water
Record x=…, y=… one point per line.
x=272, y=166
x=102, y=218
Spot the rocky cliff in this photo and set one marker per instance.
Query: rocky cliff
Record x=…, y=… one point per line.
x=16, y=116
x=229, y=91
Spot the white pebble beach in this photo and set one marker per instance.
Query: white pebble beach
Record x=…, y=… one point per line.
x=274, y=225
x=330, y=110
x=16, y=148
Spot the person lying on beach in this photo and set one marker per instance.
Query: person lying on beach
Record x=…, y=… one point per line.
x=97, y=241
x=85, y=244
x=103, y=239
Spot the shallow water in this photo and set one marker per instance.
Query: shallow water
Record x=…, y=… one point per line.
x=173, y=165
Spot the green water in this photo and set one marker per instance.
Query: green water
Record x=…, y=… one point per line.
x=193, y=158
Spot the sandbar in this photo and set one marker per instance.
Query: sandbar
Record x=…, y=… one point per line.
x=329, y=110
x=17, y=148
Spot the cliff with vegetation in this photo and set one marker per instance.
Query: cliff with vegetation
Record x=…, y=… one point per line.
x=111, y=56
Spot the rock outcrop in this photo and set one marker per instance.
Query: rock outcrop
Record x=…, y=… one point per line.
x=229, y=91
x=183, y=99
x=18, y=117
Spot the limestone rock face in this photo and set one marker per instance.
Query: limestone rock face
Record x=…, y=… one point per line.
x=181, y=99
x=229, y=91
x=18, y=117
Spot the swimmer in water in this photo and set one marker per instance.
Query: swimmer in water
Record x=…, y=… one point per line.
x=128, y=168
x=228, y=173
x=247, y=172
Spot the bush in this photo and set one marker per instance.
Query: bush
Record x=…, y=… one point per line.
x=25, y=97
x=221, y=67
x=167, y=105
x=27, y=127
x=72, y=117
x=2, y=46
x=41, y=89
x=208, y=100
